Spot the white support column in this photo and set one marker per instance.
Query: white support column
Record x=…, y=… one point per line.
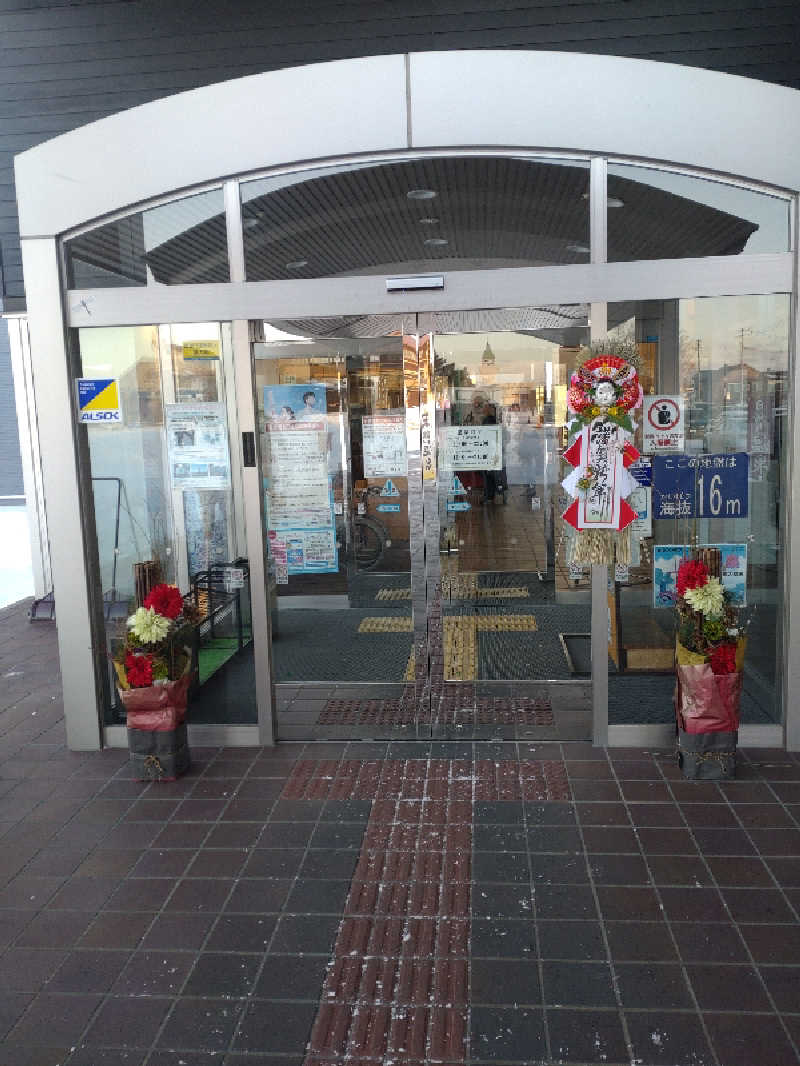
x=29, y=450
x=791, y=540
x=251, y=481
x=598, y=320
x=55, y=404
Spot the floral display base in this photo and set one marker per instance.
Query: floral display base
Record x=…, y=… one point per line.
x=707, y=756
x=158, y=755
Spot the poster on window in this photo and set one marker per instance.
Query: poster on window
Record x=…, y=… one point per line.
x=197, y=446
x=663, y=424
x=298, y=490
x=668, y=557
x=384, y=444
x=474, y=447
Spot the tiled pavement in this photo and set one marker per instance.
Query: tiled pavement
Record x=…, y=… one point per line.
x=389, y=903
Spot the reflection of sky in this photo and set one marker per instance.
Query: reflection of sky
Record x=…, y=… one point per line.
x=717, y=322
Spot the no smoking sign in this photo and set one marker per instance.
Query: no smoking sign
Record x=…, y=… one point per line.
x=663, y=424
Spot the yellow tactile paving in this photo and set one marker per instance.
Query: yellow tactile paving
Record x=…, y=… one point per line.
x=409, y=674
x=386, y=625
x=503, y=622
x=393, y=594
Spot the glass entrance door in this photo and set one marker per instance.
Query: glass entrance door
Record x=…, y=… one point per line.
x=418, y=588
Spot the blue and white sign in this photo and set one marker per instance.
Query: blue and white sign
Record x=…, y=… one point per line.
x=668, y=557
x=642, y=471
x=388, y=506
x=457, y=505
x=700, y=486
x=389, y=489
x=457, y=489
x=98, y=401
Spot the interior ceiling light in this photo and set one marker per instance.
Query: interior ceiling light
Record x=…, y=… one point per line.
x=614, y=201
x=438, y=241
x=297, y=264
x=430, y=220
x=580, y=248
x=421, y=194
x=250, y=223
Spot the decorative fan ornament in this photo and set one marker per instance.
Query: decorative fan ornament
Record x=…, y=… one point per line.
x=602, y=393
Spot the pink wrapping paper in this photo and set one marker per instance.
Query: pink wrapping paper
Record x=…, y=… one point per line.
x=707, y=702
x=157, y=708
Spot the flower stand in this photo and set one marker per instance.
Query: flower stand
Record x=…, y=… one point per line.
x=157, y=738
x=707, y=714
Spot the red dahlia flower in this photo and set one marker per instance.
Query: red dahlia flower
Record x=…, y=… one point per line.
x=723, y=659
x=166, y=600
x=691, y=575
x=139, y=670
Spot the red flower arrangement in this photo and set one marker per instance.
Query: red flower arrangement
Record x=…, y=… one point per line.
x=692, y=574
x=165, y=600
x=723, y=659
x=139, y=670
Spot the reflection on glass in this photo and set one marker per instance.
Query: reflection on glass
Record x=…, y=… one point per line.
x=726, y=358
x=180, y=243
x=416, y=215
x=335, y=490
x=656, y=214
x=513, y=608
x=163, y=497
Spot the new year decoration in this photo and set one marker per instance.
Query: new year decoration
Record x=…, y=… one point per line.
x=602, y=393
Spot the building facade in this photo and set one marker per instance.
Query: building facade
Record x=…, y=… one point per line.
x=304, y=283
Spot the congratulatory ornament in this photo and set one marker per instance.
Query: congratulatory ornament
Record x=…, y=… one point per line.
x=602, y=392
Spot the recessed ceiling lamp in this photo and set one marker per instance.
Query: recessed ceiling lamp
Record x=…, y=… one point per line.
x=436, y=241
x=581, y=249
x=421, y=194
x=430, y=220
x=250, y=223
x=297, y=264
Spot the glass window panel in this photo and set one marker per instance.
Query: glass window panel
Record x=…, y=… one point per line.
x=727, y=358
x=448, y=213
x=332, y=423
x=164, y=503
x=180, y=243
x=514, y=610
x=657, y=214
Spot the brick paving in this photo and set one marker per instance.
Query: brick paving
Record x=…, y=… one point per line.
x=393, y=903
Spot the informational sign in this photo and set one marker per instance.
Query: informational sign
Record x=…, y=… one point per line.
x=641, y=500
x=298, y=489
x=668, y=557
x=456, y=487
x=388, y=507
x=98, y=401
x=279, y=556
x=457, y=505
x=426, y=444
x=201, y=349
x=474, y=447
x=390, y=489
x=197, y=446
x=663, y=424
x=701, y=486
x=642, y=471
x=621, y=572
x=384, y=444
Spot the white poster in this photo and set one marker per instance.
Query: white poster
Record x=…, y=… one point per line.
x=641, y=500
x=474, y=447
x=197, y=445
x=384, y=442
x=663, y=424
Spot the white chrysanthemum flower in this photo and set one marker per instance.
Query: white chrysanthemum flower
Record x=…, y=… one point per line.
x=708, y=599
x=148, y=625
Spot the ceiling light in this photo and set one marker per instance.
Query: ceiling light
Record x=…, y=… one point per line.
x=582, y=249
x=250, y=223
x=431, y=220
x=436, y=241
x=614, y=201
x=297, y=264
x=421, y=194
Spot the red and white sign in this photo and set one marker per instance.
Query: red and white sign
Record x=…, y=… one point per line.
x=663, y=424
